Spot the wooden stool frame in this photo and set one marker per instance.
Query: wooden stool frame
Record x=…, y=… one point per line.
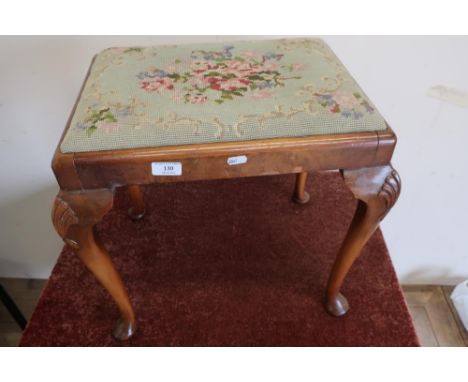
x=88, y=180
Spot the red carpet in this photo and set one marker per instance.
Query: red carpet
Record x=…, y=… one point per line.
x=229, y=262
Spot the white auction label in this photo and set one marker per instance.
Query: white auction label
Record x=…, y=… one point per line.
x=166, y=168
x=232, y=161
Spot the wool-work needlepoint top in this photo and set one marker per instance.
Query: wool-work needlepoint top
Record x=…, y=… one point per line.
x=218, y=92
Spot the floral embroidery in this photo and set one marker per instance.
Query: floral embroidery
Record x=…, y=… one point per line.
x=349, y=105
x=296, y=85
x=220, y=76
x=157, y=85
x=98, y=119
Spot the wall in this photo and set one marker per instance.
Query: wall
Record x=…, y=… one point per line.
x=426, y=232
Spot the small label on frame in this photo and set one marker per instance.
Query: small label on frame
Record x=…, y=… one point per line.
x=232, y=161
x=166, y=168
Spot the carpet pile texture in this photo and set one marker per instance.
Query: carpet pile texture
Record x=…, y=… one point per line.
x=228, y=263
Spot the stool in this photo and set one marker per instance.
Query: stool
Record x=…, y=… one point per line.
x=209, y=111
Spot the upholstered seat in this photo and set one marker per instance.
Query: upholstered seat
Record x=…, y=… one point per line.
x=205, y=93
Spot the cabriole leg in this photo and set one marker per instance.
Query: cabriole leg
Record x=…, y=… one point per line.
x=377, y=189
x=74, y=216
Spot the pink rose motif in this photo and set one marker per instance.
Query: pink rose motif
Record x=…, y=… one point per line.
x=157, y=85
x=214, y=82
x=346, y=100
x=226, y=72
x=261, y=95
x=108, y=127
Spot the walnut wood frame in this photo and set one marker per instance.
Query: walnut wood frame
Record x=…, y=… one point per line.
x=88, y=179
